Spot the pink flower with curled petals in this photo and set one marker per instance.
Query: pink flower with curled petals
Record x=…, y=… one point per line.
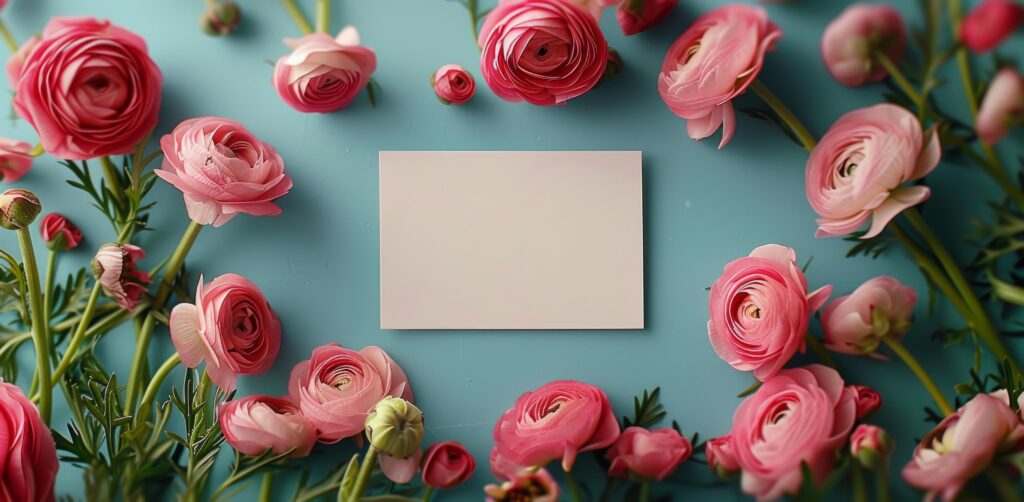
x=15, y=160
x=59, y=233
x=868, y=400
x=851, y=40
x=447, y=465
x=856, y=323
x=28, y=459
x=991, y=22
x=1002, y=105
x=324, y=74
x=116, y=269
x=453, y=84
x=256, y=424
x=649, y=454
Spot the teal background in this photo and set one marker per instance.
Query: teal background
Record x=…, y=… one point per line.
x=318, y=262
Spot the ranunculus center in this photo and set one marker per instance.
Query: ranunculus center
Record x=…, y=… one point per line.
x=247, y=320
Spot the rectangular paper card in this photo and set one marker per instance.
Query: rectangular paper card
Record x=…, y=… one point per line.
x=511, y=240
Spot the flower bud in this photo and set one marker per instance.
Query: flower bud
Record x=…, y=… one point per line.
x=721, y=457
x=868, y=400
x=18, y=208
x=220, y=19
x=116, y=269
x=871, y=446
x=59, y=233
x=395, y=427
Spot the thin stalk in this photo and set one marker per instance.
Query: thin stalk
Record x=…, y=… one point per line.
x=931, y=270
x=266, y=487
x=819, y=350
x=882, y=483
x=860, y=490
x=298, y=16
x=364, y=474
x=113, y=179
x=323, y=16
x=915, y=366
x=51, y=272
x=15, y=341
x=787, y=115
x=80, y=333
x=1004, y=487
x=427, y=493
x=956, y=13
x=993, y=166
x=897, y=76
x=154, y=386
x=9, y=39
x=574, y=487
x=39, y=331
x=645, y=490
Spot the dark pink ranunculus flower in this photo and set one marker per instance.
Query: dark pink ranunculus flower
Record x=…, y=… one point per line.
x=28, y=458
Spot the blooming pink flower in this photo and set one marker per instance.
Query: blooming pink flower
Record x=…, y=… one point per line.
x=988, y=24
x=447, y=465
x=222, y=170
x=88, y=88
x=15, y=160
x=856, y=323
x=711, y=63
x=254, y=424
x=1003, y=103
x=28, y=459
x=855, y=171
x=337, y=387
x=962, y=446
x=868, y=400
x=453, y=84
x=636, y=16
x=544, y=52
x=324, y=74
x=558, y=420
x=649, y=454
x=56, y=226
x=525, y=486
x=759, y=310
x=115, y=268
x=230, y=326
x=721, y=456
x=17, y=60
x=801, y=416
x=851, y=40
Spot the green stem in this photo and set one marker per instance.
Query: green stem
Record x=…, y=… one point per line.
x=113, y=179
x=882, y=483
x=266, y=487
x=51, y=268
x=13, y=343
x=931, y=269
x=427, y=493
x=323, y=16
x=919, y=371
x=364, y=474
x=994, y=167
x=154, y=386
x=474, y=19
x=80, y=333
x=897, y=76
x=39, y=331
x=860, y=491
x=298, y=16
x=574, y=487
x=819, y=350
x=956, y=12
x=9, y=39
x=784, y=113
x=645, y=490
x=1004, y=487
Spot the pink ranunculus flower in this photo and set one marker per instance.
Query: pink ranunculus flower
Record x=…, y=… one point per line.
x=230, y=326
x=759, y=309
x=447, y=465
x=1002, y=105
x=800, y=416
x=88, y=88
x=453, y=84
x=636, y=16
x=855, y=171
x=222, y=170
x=991, y=22
x=254, y=424
x=324, y=74
x=337, y=387
x=116, y=269
x=59, y=233
x=962, y=446
x=525, y=486
x=17, y=60
x=852, y=39
x=856, y=323
x=544, y=52
x=711, y=63
x=556, y=421
x=1004, y=396
x=15, y=160
x=28, y=459
x=721, y=456
x=868, y=400
x=649, y=454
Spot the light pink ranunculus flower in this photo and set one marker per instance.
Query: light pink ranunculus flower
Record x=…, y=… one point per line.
x=231, y=327
x=324, y=74
x=855, y=171
x=800, y=416
x=453, y=84
x=254, y=424
x=222, y=170
x=711, y=63
x=851, y=40
x=88, y=88
x=649, y=454
x=856, y=323
x=991, y=22
x=868, y=400
x=337, y=387
x=116, y=269
x=525, y=486
x=1002, y=105
x=15, y=160
x=721, y=456
x=636, y=16
x=759, y=309
x=544, y=52
x=556, y=421
x=28, y=459
x=1004, y=396
x=962, y=446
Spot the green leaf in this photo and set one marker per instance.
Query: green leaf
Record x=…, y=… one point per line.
x=1005, y=291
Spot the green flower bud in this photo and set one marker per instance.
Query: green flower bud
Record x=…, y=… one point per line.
x=18, y=208
x=220, y=19
x=395, y=427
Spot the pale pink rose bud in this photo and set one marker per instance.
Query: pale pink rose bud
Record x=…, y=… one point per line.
x=856, y=323
x=871, y=446
x=28, y=462
x=544, y=52
x=798, y=419
x=220, y=19
x=962, y=446
x=695, y=81
x=721, y=457
x=991, y=22
x=324, y=74
x=231, y=327
x=856, y=171
x=222, y=170
x=255, y=424
x=759, y=309
x=115, y=268
x=636, y=16
x=447, y=465
x=525, y=486
x=1002, y=106
x=15, y=160
x=59, y=233
x=453, y=84
x=868, y=400
x=649, y=454
x=18, y=208
x=851, y=41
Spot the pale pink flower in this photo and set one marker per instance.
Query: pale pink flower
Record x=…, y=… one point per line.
x=852, y=39
x=255, y=424
x=856, y=323
x=15, y=160
x=115, y=268
x=649, y=454
x=1002, y=105
x=324, y=74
